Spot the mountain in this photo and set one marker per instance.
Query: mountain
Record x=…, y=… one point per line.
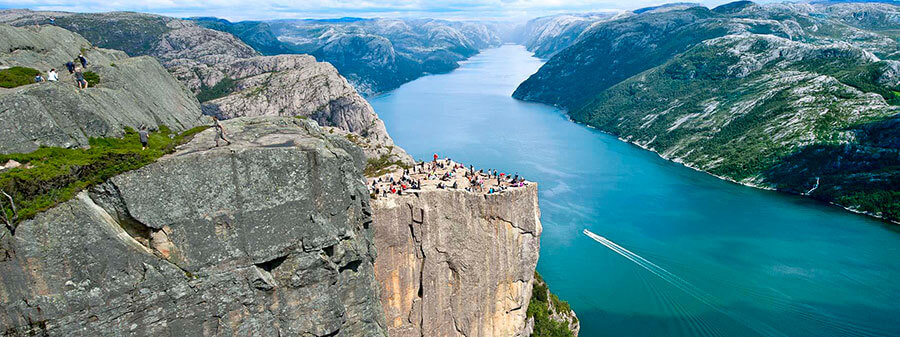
x=546, y=36
x=376, y=55
x=228, y=75
x=794, y=97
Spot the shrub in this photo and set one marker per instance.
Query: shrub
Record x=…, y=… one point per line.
x=56, y=174
x=17, y=76
x=92, y=78
x=539, y=309
x=221, y=89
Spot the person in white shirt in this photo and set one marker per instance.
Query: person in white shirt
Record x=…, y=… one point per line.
x=52, y=76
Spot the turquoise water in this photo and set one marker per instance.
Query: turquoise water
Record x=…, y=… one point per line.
x=725, y=260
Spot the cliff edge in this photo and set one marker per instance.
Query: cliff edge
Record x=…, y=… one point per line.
x=269, y=236
x=457, y=263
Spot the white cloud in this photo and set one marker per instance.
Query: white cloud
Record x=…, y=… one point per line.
x=279, y=9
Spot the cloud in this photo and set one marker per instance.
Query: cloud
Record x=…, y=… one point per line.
x=287, y=9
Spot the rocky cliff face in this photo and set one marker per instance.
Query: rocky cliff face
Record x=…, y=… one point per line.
x=132, y=91
x=297, y=85
x=457, y=263
x=272, y=235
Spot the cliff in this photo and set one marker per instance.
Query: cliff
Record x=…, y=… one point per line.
x=297, y=85
x=457, y=263
x=131, y=92
x=270, y=236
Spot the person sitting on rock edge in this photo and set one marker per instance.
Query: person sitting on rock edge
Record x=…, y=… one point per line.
x=220, y=131
x=38, y=78
x=52, y=76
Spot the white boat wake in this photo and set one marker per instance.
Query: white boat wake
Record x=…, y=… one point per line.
x=687, y=287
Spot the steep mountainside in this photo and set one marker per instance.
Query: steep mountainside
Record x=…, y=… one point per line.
x=230, y=78
x=376, y=55
x=131, y=92
x=773, y=96
x=270, y=236
x=546, y=36
x=610, y=52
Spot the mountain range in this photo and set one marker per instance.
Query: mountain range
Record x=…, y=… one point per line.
x=376, y=55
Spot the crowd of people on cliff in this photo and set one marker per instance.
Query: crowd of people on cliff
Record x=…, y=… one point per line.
x=74, y=70
x=447, y=175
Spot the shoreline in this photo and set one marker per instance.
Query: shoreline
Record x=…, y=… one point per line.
x=727, y=179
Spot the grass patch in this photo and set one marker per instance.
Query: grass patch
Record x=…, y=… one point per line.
x=92, y=78
x=378, y=166
x=17, y=76
x=57, y=174
x=223, y=88
x=539, y=309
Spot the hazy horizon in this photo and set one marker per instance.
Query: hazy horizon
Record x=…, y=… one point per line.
x=236, y=10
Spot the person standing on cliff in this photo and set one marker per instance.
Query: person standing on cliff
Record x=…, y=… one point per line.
x=220, y=131
x=145, y=136
x=83, y=60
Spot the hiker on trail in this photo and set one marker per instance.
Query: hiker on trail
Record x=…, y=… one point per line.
x=435, y=158
x=145, y=136
x=38, y=78
x=220, y=131
x=71, y=67
x=79, y=79
x=52, y=20
x=83, y=60
x=52, y=76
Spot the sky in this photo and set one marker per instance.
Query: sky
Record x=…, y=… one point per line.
x=237, y=10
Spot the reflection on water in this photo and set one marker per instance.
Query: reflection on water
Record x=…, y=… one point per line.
x=767, y=263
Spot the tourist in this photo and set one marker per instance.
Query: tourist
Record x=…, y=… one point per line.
x=79, y=79
x=83, y=60
x=220, y=131
x=52, y=20
x=71, y=67
x=435, y=158
x=145, y=136
x=38, y=78
x=52, y=76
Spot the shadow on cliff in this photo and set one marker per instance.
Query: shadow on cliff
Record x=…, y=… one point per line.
x=865, y=173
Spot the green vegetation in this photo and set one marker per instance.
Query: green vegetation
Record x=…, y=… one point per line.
x=17, y=76
x=223, y=88
x=92, y=78
x=751, y=128
x=135, y=34
x=378, y=166
x=52, y=175
x=539, y=309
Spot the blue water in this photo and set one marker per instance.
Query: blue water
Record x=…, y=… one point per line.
x=752, y=262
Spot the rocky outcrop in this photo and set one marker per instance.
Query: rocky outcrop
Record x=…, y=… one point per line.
x=457, y=263
x=131, y=92
x=272, y=235
x=297, y=85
